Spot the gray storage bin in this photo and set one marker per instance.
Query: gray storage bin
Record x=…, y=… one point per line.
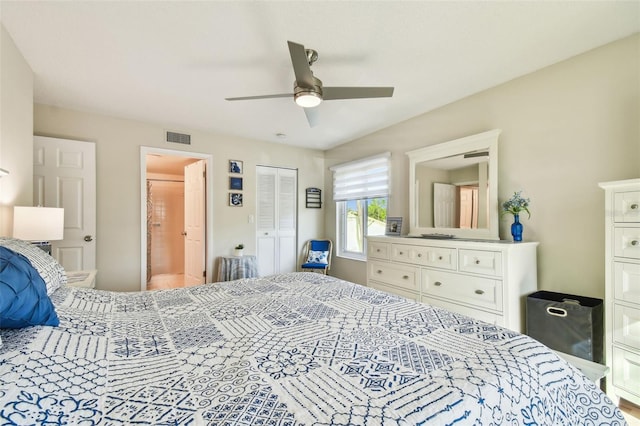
x=567, y=323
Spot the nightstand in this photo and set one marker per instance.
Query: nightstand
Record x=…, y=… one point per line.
x=85, y=279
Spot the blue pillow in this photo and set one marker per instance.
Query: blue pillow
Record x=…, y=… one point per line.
x=23, y=294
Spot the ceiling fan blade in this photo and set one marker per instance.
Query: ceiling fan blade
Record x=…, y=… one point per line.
x=331, y=93
x=312, y=116
x=301, y=68
x=246, y=98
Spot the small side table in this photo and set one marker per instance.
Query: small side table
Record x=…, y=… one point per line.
x=236, y=267
x=85, y=279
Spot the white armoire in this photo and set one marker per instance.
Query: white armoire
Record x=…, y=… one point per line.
x=622, y=288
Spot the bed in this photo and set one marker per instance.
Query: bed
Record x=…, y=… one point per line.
x=290, y=349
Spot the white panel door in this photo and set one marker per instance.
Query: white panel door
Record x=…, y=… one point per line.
x=276, y=223
x=194, y=222
x=64, y=175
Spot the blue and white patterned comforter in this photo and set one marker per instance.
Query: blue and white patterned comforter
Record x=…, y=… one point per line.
x=292, y=349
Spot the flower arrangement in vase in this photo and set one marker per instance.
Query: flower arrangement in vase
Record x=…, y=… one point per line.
x=238, y=249
x=516, y=205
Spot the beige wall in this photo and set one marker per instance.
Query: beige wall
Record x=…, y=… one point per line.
x=564, y=129
x=118, y=144
x=16, y=131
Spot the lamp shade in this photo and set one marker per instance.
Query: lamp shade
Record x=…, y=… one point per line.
x=38, y=223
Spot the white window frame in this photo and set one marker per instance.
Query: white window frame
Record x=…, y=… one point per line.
x=341, y=237
x=359, y=180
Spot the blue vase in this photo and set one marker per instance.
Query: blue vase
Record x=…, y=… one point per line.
x=516, y=228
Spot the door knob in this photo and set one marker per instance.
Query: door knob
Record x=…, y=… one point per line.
x=88, y=238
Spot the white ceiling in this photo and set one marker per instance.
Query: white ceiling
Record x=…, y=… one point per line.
x=174, y=62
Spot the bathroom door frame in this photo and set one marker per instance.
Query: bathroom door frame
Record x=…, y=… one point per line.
x=209, y=259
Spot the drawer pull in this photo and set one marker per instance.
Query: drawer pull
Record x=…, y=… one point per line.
x=378, y=250
x=419, y=254
x=635, y=242
x=379, y=271
x=405, y=277
x=479, y=291
x=477, y=261
x=439, y=257
x=401, y=253
x=437, y=283
x=634, y=206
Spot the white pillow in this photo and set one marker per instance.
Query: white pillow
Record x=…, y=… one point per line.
x=318, y=257
x=49, y=269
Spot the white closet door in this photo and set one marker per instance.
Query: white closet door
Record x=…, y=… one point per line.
x=276, y=220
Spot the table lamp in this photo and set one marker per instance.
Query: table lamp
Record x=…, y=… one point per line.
x=39, y=225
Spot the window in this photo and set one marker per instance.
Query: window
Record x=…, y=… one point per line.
x=360, y=189
x=356, y=220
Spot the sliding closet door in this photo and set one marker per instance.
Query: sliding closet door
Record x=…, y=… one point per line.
x=276, y=223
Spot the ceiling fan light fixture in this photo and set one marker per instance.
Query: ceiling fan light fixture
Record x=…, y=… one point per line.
x=307, y=99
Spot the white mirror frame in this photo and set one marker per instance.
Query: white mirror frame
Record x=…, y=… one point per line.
x=486, y=140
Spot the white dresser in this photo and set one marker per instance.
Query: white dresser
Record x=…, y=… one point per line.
x=487, y=280
x=622, y=289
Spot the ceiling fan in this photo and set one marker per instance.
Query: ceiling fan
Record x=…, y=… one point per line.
x=308, y=91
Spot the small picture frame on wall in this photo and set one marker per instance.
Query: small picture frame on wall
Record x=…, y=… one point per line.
x=235, y=183
x=235, y=166
x=235, y=199
x=394, y=226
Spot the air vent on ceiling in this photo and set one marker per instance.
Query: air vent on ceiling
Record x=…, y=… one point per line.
x=179, y=138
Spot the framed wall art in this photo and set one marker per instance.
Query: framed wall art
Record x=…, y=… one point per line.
x=235, y=183
x=235, y=166
x=235, y=199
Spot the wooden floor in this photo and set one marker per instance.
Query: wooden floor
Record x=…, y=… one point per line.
x=631, y=412
x=165, y=281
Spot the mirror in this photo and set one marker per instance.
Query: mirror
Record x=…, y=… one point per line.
x=453, y=188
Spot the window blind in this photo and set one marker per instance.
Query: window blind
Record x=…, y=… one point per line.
x=365, y=178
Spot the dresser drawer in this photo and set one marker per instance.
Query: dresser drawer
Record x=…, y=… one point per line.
x=626, y=371
x=480, y=292
x=378, y=250
x=626, y=206
x=626, y=242
x=481, y=262
x=627, y=282
x=411, y=295
x=489, y=317
x=401, y=252
x=626, y=326
x=438, y=257
x=403, y=276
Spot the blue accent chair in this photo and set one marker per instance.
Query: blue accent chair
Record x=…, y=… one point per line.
x=317, y=256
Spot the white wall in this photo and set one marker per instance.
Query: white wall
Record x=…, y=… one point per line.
x=16, y=131
x=118, y=144
x=564, y=129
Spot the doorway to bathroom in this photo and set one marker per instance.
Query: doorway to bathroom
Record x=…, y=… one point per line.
x=175, y=238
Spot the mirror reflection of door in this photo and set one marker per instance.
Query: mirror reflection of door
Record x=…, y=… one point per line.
x=444, y=205
x=175, y=208
x=468, y=196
